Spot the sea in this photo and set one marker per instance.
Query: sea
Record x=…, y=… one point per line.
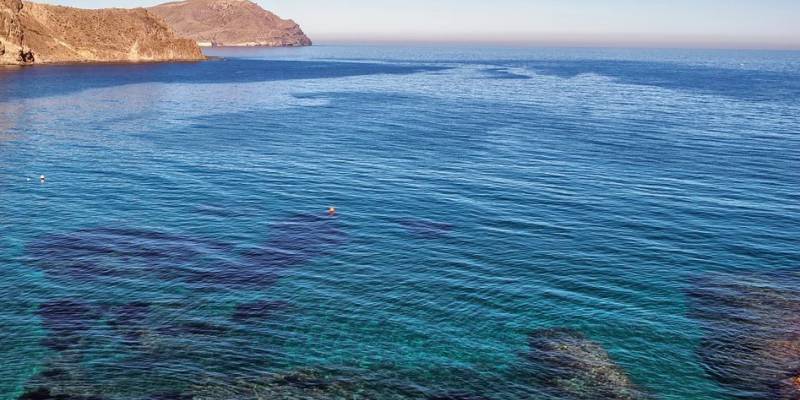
x=403, y=222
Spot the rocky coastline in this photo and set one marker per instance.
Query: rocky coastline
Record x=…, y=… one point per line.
x=33, y=33
x=234, y=23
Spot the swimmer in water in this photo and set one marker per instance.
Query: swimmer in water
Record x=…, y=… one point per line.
x=331, y=211
x=42, y=178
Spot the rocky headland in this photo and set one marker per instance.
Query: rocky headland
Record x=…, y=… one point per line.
x=32, y=33
x=230, y=23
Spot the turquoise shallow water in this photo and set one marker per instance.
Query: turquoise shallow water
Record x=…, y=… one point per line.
x=179, y=247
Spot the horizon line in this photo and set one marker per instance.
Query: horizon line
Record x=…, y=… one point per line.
x=655, y=45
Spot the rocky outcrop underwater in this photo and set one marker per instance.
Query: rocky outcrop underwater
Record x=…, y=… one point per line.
x=143, y=349
x=568, y=365
x=560, y=364
x=751, y=326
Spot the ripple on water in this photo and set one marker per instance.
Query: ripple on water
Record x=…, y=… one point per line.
x=67, y=321
x=297, y=240
x=107, y=255
x=95, y=254
x=457, y=396
x=48, y=394
x=129, y=320
x=309, y=384
x=193, y=327
x=560, y=363
x=571, y=366
x=576, y=200
x=258, y=310
x=425, y=229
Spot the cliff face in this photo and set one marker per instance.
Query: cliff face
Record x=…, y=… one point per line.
x=12, y=50
x=230, y=23
x=38, y=33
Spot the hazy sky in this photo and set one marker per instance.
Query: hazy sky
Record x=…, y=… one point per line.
x=715, y=23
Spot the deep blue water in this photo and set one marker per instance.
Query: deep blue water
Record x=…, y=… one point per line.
x=512, y=224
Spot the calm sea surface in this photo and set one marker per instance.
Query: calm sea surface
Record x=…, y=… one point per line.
x=512, y=224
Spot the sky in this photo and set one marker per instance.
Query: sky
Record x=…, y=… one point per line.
x=647, y=23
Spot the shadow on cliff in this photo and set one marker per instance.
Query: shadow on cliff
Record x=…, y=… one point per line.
x=51, y=80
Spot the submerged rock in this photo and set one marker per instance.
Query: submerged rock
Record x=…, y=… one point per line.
x=571, y=366
x=129, y=320
x=67, y=321
x=112, y=253
x=108, y=254
x=46, y=394
x=43, y=393
x=89, y=254
x=308, y=384
x=54, y=373
x=752, y=334
x=457, y=396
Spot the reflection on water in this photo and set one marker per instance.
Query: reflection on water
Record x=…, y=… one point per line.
x=10, y=116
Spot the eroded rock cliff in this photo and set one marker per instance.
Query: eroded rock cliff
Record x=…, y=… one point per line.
x=12, y=50
x=38, y=33
x=230, y=23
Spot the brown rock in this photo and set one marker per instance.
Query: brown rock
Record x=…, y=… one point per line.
x=752, y=340
x=11, y=38
x=38, y=33
x=230, y=23
x=571, y=366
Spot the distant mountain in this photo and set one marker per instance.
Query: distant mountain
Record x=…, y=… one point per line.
x=32, y=33
x=230, y=23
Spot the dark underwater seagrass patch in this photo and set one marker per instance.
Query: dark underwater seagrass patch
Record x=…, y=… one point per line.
x=66, y=322
x=297, y=240
x=107, y=258
x=111, y=254
x=94, y=254
x=258, y=310
x=107, y=255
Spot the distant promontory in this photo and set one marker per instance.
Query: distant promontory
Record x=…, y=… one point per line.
x=230, y=23
x=32, y=33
